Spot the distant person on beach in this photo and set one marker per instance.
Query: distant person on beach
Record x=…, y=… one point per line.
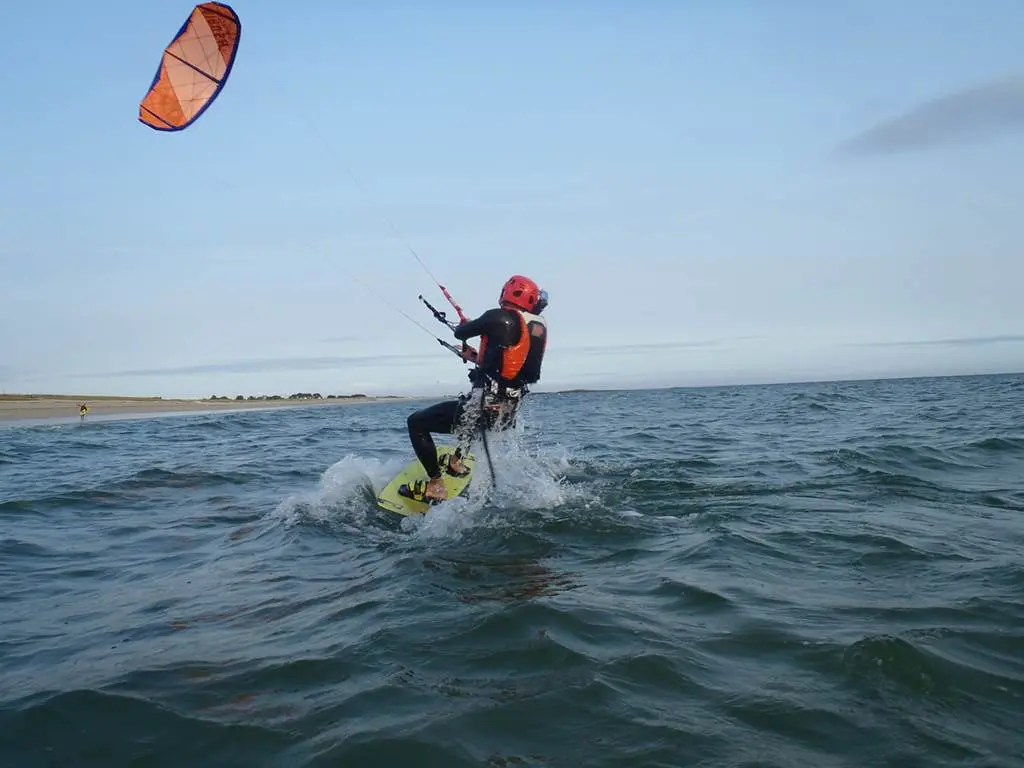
x=82, y=410
x=513, y=339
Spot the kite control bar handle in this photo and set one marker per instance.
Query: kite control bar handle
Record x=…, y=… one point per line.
x=443, y=318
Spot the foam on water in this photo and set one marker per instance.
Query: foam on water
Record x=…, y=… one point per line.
x=530, y=479
x=345, y=492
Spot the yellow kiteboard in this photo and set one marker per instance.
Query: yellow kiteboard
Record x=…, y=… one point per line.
x=393, y=501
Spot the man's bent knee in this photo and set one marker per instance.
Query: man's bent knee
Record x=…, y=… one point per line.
x=414, y=422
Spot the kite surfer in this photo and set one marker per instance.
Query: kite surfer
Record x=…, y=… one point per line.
x=513, y=339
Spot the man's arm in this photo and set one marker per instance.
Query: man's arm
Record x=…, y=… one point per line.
x=493, y=322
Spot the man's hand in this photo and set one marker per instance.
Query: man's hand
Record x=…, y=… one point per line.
x=468, y=353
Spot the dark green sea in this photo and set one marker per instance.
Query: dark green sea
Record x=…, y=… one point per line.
x=813, y=575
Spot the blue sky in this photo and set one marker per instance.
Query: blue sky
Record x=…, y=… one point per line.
x=711, y=192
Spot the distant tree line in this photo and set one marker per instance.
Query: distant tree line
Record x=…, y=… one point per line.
x=296, y=396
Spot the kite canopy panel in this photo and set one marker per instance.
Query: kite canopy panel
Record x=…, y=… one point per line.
x=194, y=68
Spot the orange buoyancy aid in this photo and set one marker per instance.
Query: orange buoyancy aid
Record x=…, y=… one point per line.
x=521, y=362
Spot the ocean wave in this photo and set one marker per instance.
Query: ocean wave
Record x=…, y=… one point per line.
x=941, y=666
x=76, y=727
x=125, y=491
x=823, y=574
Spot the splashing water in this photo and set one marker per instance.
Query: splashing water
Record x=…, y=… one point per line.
x=528, y=479
x=344, y=495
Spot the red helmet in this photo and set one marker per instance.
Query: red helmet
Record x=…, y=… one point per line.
x=520, y=292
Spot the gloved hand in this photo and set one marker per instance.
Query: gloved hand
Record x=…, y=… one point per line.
x=477, y=376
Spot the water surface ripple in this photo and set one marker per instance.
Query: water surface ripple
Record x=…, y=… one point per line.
x=802, y=575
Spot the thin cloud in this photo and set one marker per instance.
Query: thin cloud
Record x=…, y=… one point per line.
x=340, y=339
x=271, y=364
x=967, y=341
x=659, y=346
x=603, y=349
x=10, y=371
x=982, y=111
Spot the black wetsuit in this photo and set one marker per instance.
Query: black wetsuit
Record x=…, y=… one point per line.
x=502, y=329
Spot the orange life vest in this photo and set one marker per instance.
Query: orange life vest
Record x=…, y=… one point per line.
x=533, y=338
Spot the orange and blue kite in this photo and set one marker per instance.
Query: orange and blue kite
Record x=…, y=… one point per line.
x=194, y=68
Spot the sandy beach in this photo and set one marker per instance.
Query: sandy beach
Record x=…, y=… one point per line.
x=18, y=407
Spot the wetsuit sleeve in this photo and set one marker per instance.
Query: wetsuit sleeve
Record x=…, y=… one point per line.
x=495, y=323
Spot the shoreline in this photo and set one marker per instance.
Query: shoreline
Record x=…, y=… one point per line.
x=14, y=408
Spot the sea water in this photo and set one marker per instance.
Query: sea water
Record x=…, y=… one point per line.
x=818, y=575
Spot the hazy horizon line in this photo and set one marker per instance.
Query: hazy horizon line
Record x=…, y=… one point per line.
x=766, y=382
x=328, y=362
